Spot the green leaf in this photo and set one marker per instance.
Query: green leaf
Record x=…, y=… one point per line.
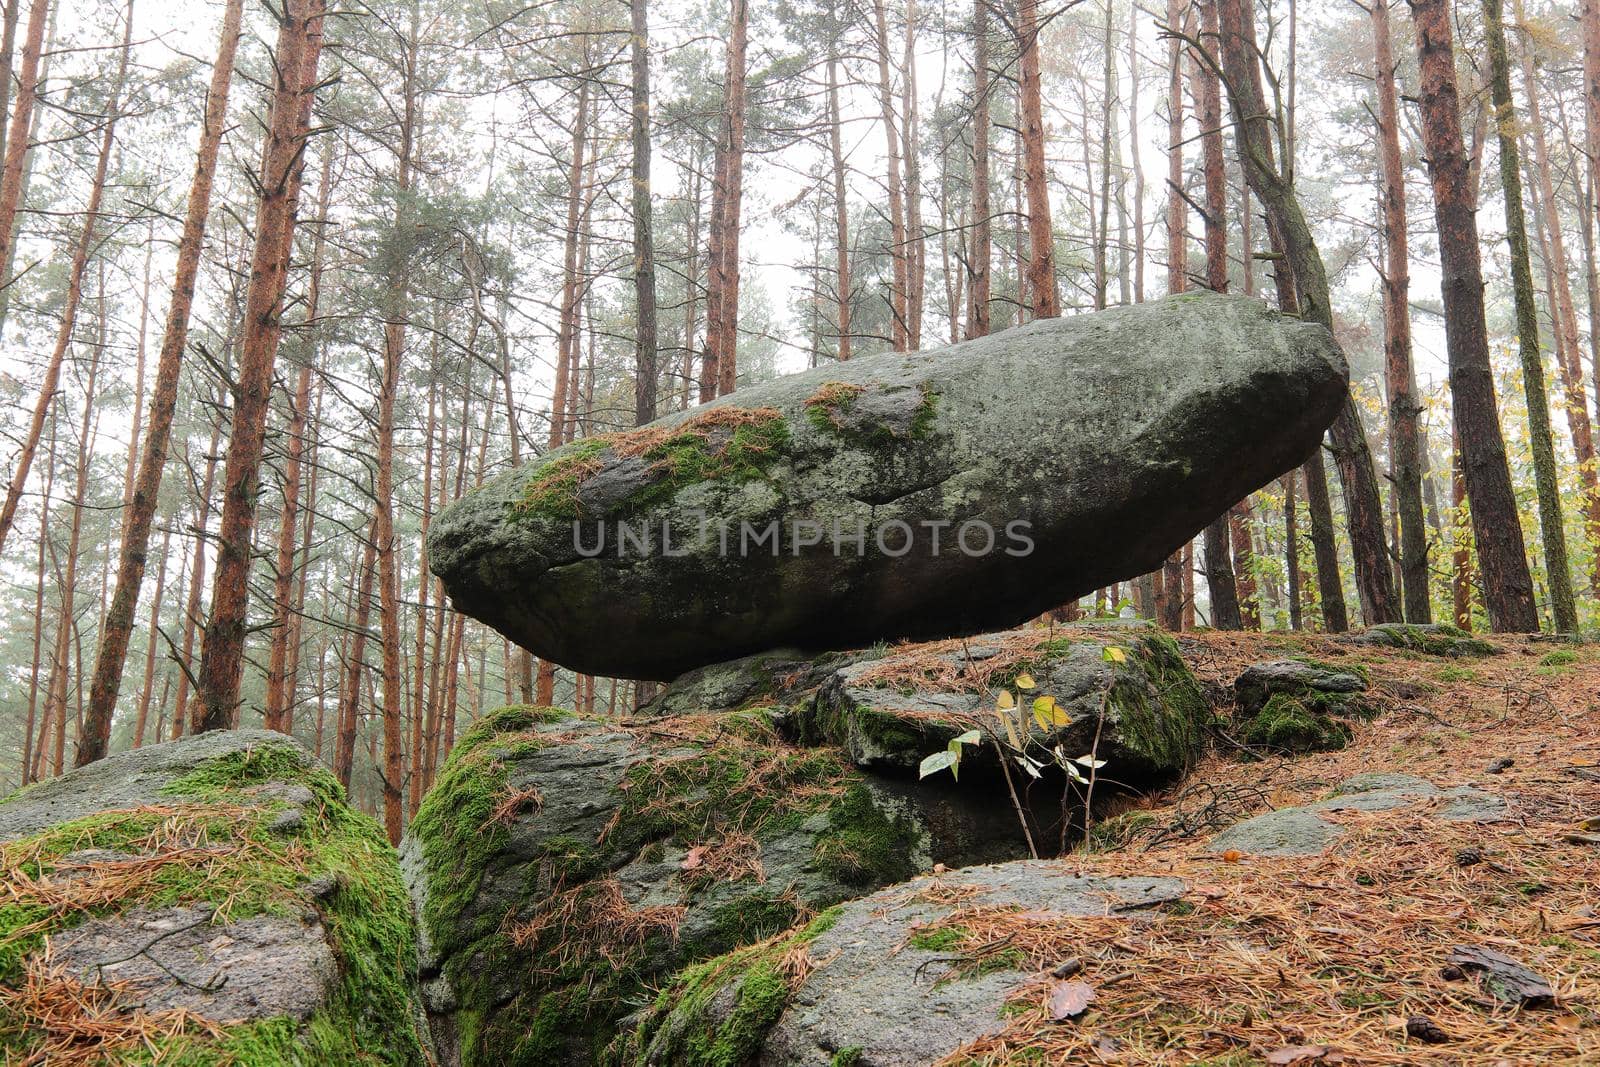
x=938, y=762
x=971, y=737
x=1113, y=654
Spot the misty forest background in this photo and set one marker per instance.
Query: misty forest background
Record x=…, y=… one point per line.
x=362, y=256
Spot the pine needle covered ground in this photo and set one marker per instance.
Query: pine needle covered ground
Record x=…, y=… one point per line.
x=1343, y=957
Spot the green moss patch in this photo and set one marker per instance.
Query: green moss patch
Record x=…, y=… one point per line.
x=214, y=844
x=721, y=444
x=1292, y=724
x=717, y=1013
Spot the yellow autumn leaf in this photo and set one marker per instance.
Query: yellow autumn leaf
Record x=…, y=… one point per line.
x=1005, y=700
x=1045, y=711
x=1115, y=654
x=1025, y=681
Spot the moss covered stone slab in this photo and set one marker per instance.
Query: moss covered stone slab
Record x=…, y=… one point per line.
x=1299, y=705
x=1123, y=692
x=211, y=900
x=881, y=980
x=561, y=866
x=900, y=495
x=1304, y=831
x=1430, y=639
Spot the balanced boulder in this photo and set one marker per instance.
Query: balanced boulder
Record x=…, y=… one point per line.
x=902, y=495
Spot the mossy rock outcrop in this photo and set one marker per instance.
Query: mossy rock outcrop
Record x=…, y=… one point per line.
x=1300, y=705
x=1120, y=691
x=210, y=900
x=562, y=866
x=1430, y=639
x=893, y=979
x=897, y=496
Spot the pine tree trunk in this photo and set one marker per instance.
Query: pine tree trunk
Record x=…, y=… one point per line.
x=916, y=246
x=280, y=681
x=344, y=752
x=1291, y=553
x=719, y=370
x=1508, y=587
x=147, y=686
x=1274, y=188
x=81, y=250
x=644, y=263
x=283, y=162
x=17, y=133
x=1044, y=295
x=1220, y=579
x=841, y=209
x=1544, y=460
x=1400, y=378
x=899, y=317
x=980, y=253
x=197, y=581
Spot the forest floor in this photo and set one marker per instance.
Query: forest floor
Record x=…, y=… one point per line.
x=1345, y=956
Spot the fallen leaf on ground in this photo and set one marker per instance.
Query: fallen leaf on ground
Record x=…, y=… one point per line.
x=1297, y=1054
x=1069, y=999
x=695, y=858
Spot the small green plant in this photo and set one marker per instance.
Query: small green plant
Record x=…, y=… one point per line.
x=950, y=758
x=1018, y=743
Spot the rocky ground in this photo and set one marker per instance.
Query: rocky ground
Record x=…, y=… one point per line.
x=1375, y=849
x=1423, y=894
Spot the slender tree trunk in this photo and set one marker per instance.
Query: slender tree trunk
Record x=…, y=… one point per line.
x=979, y=255
x=1544, y=458
x=395, y=320
x=1508, y=587
x=283, y=163
x=82, y=247
x=1400, y=378
x=1044, y=295
x=197, y=581
x=1169, y=596
x=916, y=245
x=644, y=262
x=17, y=146
x=899, y=316
x=280, y=682
x=1274, y=188
x=1461, y=541
x=147, y=686
x=719, y=372
x=1291, y=553
x=1220, y=579
x=56, y=708
x=28, y=772
x=350, y=699
x=841, y=207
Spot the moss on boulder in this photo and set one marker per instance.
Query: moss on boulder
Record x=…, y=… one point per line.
x=1300, y=705
x=1430, y=639
x=1126, y=686
x=562, y=866
x=891, y=978
x=148, y=867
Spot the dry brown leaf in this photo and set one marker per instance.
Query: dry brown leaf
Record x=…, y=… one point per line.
x=1070, y=999
x=1297, y=1053
x=696, y=857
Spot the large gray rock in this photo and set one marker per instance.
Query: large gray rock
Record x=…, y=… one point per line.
x=561, y=866
x=1115, y=437
x=1136, y=706
x=1302, y=831
x=885, y=977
